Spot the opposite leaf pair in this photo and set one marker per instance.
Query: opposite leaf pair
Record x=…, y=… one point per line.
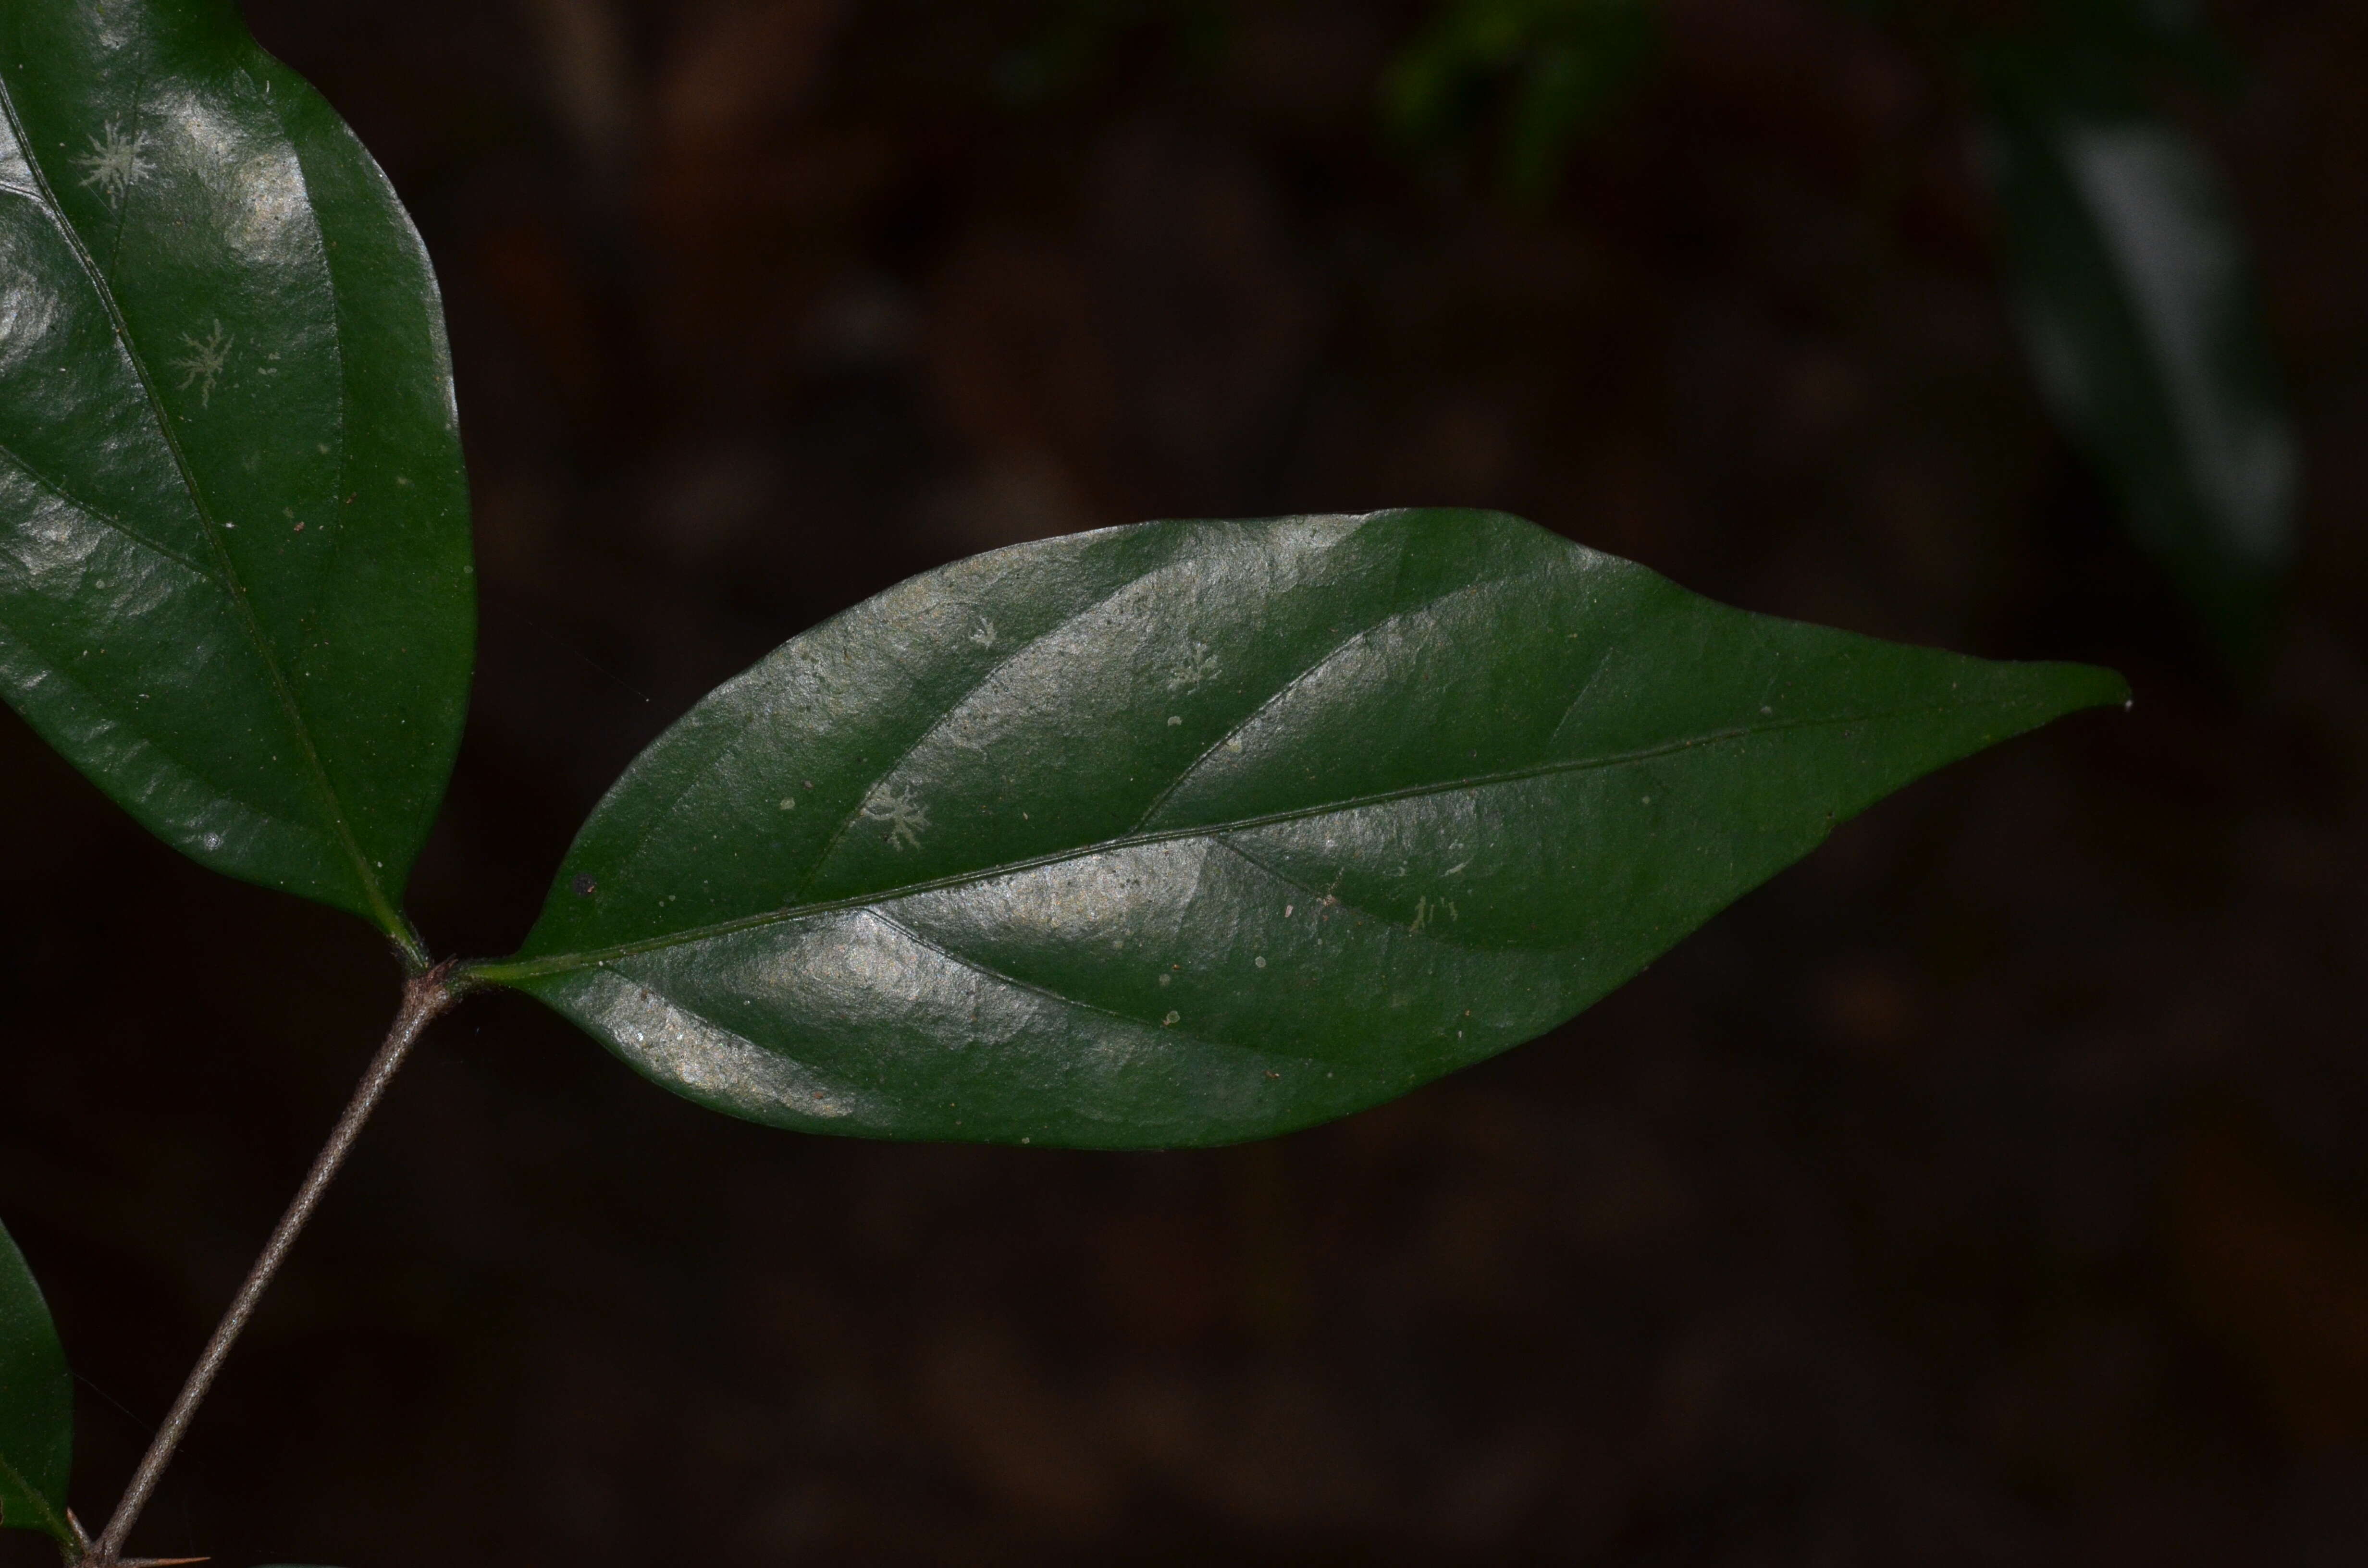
x=1179, y=833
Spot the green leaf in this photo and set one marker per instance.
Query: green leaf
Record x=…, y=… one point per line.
x=36, y=1406
x=2137, y=304
x=1189, y=832
x=234, y=577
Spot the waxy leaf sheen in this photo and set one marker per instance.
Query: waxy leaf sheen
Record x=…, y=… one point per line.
x=1195, y=831
x=36, y=1404
x=234, y=576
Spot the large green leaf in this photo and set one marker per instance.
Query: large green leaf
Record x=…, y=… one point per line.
x=234, y=578
x=36, y=1404
x=1188, y=832
x=2137, y=303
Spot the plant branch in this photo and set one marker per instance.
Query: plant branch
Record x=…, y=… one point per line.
x=423, y=996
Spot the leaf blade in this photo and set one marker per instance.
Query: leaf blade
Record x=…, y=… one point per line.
x=1031, y=847
x=36, y=1404
x=234, y=587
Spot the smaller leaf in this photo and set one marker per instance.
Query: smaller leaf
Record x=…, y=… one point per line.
x=36, y=1406
x=2137, y=304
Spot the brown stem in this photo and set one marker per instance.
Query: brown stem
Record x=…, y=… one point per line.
x=423, y=997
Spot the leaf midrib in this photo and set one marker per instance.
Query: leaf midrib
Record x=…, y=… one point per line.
x=514, y=969
x=388, y=918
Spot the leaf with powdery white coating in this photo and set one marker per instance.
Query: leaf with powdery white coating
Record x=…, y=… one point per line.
x=1226, y=829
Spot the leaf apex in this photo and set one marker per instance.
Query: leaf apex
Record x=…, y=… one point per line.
x=2092, y=686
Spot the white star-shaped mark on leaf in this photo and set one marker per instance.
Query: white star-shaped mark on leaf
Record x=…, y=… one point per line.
x=114, y=166
x=907, y=818
x=204, y=362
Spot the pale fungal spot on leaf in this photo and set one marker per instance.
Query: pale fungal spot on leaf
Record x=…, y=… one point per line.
x=1192, y=670
x=114, y=166
x=789, y=802
x=1174, y=720
x=204, y=362
x=907, y=818
x=1260, y=960
x=1166, y=978
x=985, y=633
x=1172, y=1017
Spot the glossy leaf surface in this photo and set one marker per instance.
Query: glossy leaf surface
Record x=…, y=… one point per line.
x=234, y=578
x=2135, y=293
x=36, y=1404
x=1196, y=832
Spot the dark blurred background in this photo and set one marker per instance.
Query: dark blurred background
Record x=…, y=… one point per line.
x=1988, y=1189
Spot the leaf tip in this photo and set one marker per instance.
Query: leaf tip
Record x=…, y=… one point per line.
x=2094, y=686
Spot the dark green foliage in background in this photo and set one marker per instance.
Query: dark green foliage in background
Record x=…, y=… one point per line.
x=2125, y=260
x=1545, y=70
x=2134, y=287
x=1073, y=38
